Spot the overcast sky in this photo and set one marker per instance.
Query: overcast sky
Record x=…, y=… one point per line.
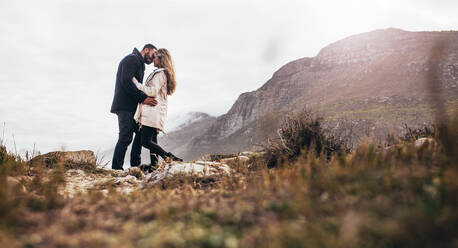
x=58, y=58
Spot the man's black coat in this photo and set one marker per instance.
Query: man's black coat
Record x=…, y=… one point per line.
x=127, y=96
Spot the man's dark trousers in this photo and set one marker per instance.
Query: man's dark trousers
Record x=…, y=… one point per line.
x=127, y=128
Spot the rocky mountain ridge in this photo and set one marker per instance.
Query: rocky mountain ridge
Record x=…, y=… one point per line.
x=376, y=78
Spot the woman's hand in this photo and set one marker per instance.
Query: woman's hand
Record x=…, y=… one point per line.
x=134, y=80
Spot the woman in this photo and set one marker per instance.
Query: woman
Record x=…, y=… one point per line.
x=160, y=83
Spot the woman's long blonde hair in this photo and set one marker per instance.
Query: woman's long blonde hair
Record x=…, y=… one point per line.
x=166, y=62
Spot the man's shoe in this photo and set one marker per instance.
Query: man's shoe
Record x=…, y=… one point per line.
x=153, y=159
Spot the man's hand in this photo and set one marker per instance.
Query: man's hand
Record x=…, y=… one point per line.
x=151, y=101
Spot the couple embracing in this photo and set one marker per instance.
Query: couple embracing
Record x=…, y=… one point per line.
x=142, y=108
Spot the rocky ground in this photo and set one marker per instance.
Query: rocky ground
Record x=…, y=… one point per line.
x=400, y=196
x=79, y=179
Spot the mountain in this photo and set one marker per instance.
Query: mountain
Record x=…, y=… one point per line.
x=178, y=141
x=377, y=80
x=180, y=121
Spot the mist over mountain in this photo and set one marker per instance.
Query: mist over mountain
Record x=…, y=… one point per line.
x=377, y=80
x=182, y=120
x=179, y=140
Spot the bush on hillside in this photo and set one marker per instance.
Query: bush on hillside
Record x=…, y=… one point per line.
x=303, y=132
x=411, y=134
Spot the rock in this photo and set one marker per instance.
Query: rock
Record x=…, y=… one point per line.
x=198, y=168
x=136, y=172
x=236, y=159
x=216, y=157
x=118, y=173
x=324, y=196
x=127, y=180
x=249, y=153
x=81, y=181
x=421, y=141
x=77, y=181
x=84, y=157
x=418, y=143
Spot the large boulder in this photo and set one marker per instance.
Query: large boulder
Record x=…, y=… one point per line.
x=70, y=159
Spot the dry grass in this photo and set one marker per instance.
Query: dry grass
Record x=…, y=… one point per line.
x=404, y=197
x=303, y=132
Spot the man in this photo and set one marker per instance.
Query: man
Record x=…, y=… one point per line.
x=126, y=99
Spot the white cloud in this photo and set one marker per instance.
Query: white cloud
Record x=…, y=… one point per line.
x=59, y=57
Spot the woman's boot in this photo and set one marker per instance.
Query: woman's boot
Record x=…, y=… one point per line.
x=173, y=157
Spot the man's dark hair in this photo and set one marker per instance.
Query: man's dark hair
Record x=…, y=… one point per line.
x=149, y=46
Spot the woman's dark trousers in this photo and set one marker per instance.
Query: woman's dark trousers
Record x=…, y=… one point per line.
x=148, y=139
